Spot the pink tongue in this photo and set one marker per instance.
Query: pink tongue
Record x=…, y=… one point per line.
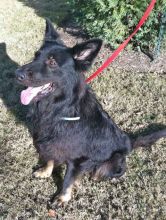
x=28, y=94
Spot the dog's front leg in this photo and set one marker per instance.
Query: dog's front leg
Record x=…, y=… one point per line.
x=70, y=178
x=46, y=171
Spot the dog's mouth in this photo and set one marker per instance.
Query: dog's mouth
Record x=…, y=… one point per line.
x=35, y=93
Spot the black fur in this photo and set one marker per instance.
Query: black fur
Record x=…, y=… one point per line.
x=92, y=144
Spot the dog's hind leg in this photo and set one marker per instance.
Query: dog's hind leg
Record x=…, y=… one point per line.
x=115, y=167
x=46, y=171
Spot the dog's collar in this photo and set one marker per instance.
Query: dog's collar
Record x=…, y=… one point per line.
x=70, y=118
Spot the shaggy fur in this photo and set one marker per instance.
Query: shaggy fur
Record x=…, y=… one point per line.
x=93, y=144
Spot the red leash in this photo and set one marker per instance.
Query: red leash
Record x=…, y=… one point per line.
x=123, y=45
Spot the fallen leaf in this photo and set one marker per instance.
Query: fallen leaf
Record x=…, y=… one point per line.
x=52, y=213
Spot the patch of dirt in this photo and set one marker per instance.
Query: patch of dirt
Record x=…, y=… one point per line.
x=138, y=62
x=128, y=60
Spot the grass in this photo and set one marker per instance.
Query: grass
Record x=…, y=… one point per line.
x=135, y=101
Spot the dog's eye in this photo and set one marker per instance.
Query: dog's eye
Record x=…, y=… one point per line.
x=51, y=62
x=30, y=73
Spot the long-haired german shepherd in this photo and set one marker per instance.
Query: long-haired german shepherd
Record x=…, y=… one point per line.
x=69, y=124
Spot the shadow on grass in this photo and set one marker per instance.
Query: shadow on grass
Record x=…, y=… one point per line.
x=148, y=130
x=55, y=10
x=9, y=88
x=59, y=12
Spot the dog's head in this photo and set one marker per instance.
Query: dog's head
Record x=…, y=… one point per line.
x=54, y=64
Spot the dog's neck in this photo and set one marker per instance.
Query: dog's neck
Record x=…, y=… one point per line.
x=71, y=99
x=79, y=104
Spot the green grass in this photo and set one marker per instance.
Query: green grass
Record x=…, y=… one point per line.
x=135, y=101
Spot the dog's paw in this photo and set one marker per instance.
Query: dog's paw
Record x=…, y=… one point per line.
x=41, y=173
x=60, y=201
x=64, y=198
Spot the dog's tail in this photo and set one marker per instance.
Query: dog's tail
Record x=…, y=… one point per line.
x=148, y=140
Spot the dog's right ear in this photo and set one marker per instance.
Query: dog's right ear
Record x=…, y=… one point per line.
x=84, y=53
x=50, y=32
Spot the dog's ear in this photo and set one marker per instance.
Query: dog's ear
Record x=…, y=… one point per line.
x=84, y=53
x=50, y=32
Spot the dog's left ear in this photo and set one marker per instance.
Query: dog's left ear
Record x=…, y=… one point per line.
x=50, y=33
x=85, y=53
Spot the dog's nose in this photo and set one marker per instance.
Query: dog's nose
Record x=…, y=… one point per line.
x=20, y=75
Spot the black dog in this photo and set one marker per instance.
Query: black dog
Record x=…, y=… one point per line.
x=69, y=124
